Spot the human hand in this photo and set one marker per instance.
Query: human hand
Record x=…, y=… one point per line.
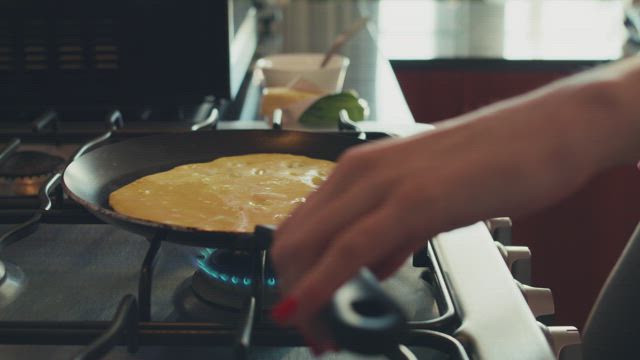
x=386, y=199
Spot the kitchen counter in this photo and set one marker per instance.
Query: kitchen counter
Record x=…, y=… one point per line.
x=556, y=35
x=510, y=33
x=311, y=26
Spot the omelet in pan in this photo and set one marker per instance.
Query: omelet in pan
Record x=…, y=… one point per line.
x=233, y=193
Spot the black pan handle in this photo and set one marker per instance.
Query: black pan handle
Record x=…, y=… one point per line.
x=114, y=121
x=361, y=316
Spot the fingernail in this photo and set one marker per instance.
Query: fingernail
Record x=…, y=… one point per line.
x=284, y=310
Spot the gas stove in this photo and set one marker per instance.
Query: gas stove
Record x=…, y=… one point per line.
x=74, y=287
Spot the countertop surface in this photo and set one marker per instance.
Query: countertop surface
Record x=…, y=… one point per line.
x=311, y=26
x=423, y=33
x=512, y=30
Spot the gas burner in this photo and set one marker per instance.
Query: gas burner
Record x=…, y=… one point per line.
x=12, y=282
x=224, y=278
x=24, y=172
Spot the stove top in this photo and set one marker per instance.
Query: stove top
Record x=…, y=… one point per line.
x=74, y=285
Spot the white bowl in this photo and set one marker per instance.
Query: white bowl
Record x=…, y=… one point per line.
x=282, y=69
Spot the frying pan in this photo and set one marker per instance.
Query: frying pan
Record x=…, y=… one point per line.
x=90, y=178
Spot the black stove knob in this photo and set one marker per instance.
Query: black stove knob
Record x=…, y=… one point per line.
x=364, y=319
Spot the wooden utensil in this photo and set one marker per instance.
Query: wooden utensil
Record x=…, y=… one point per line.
x=342, y=39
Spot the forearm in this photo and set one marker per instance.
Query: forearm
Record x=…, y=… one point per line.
x=592, y=119
x=544, y=145
x=383, y=199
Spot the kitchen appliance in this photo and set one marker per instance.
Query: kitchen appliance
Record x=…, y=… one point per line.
x=67, y=280
x=73, y=52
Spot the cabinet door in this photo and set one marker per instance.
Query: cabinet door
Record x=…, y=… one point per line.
x=576, y=242
x=432, y=95
x=486, y=87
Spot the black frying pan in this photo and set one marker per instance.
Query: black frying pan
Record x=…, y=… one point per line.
x=92, y=177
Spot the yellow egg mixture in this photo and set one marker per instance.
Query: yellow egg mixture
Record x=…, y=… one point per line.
x=233, y=193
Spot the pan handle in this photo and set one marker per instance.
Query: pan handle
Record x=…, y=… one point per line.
x=114, y=121
x=276, y=122
x=211, y=121
x=47, y=119
x=346, y=124
x=361, y=316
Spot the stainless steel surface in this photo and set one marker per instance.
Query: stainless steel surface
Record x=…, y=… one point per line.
x=95, y=265
x=497, y=323
x=12, y=283
x=81, y=272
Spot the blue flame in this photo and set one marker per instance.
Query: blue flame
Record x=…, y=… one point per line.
x=227, y=278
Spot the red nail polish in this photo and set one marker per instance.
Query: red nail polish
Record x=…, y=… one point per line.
x=284, y=310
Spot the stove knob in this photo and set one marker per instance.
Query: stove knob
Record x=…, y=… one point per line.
x=511, y=254
x=563, y=339
x=518, y=259
x=500, y=229
x=540, y=300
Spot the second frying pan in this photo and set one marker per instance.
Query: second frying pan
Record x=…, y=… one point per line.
x=91, y=178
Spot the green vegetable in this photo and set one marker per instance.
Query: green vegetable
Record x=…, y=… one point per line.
x=325, y=111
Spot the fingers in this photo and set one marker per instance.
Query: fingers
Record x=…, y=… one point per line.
x=296, y=249
x=350, y=172
x=388, y=266
x=368, y=241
